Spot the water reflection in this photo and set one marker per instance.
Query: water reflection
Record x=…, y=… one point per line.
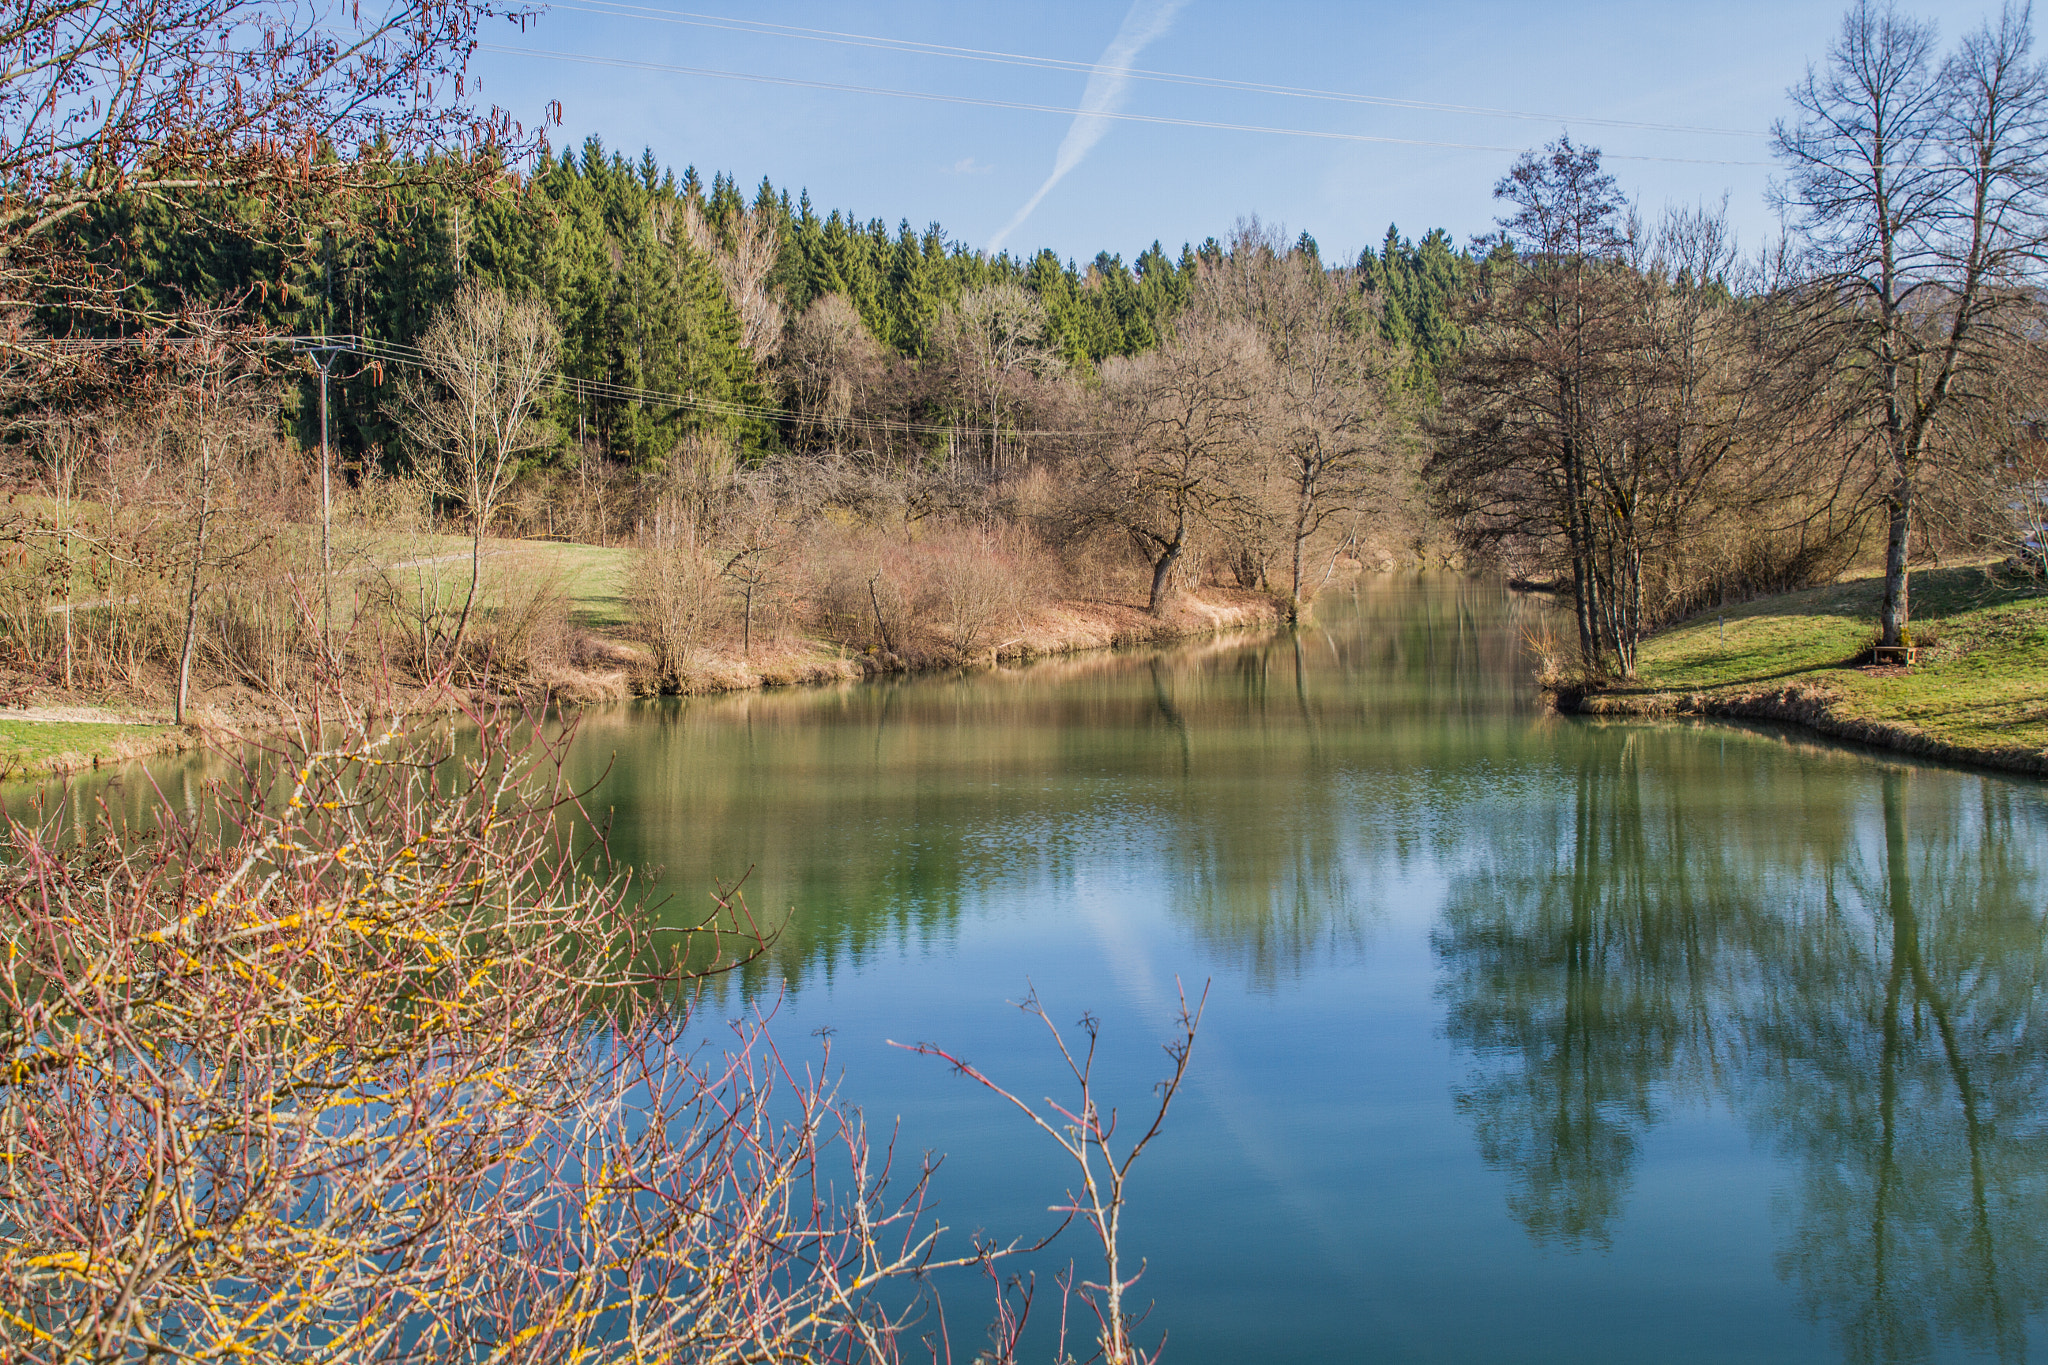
x=1895, y=1040
x=1863, y=979
x=878, y=814
x=1462, y=946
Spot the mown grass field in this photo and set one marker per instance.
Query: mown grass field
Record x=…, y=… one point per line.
x=1982, y=684
x=590, y=578
x=28, y=747
x=593, y=579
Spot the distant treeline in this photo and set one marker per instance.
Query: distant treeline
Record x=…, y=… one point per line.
x=661, y=282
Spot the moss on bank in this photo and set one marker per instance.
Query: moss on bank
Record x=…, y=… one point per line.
x=1979, y=693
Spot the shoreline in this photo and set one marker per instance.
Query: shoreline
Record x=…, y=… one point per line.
x=1807, y=707
x=1977, y=695
x=42, y=741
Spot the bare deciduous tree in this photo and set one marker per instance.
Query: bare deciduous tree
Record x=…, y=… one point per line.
x=1523, y=413
x=744, y=249
x=1181, y=427
x=1325, y=425
x=217, y=421
x=995, y=340
x=755, y=535
x=830, y=364
x=473, y=408
x=1921, y=189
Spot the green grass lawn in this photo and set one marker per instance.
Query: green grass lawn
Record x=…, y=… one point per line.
x=32, y=746
x=1982, y=685
x=593, y=577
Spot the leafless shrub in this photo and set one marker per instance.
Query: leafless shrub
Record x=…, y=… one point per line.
x=526, y=626
x=391, y=503
x=1086, y=1132
x=1545, y=644
x=359, y=1078
x=673, y=589
x=861, y=588
x=365, y=1052
x=976, y=585
x=256, y=630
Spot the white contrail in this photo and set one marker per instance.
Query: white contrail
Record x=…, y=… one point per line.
x=1107, y=82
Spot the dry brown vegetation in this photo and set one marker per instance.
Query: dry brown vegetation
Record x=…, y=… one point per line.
x=177, y=547
x=368, y=1058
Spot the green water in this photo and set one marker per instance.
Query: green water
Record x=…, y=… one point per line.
x=1530, y=1039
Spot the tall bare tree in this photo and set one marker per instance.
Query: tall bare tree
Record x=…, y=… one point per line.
x=830, y=365
x=472, y=408
x=1182, y=428
x=755, y=535
x=1325, y=427
x=744, y=249
x=995, y=341
x=216, y=420
x=1921, y=190
x=1544, y=343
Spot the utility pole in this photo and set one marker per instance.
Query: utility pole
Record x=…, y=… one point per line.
x=324, y=352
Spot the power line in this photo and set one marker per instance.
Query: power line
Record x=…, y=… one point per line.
x=400, y=353
x=620, y=9
x=606, y=389
x=1064, y=110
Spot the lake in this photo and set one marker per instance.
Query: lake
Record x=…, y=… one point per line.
x=1529, y=1038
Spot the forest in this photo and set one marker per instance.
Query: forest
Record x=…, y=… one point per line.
x=251, y=425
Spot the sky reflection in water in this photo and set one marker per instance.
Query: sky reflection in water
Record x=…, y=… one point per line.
x=1532, y=1039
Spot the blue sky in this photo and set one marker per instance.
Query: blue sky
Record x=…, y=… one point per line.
x=1721, y=64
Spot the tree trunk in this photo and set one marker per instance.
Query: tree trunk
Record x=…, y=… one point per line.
x=476, y=561
x=192, y=580
x=881, y=627
x=69, y=573
x=1301, y=534
x=1162, y=570
x=326, y=524
x=1894, y=615
x=1579, y=538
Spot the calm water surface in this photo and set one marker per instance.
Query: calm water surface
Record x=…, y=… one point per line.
x=1530, y=1039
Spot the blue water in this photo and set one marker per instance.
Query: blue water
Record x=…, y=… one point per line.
x=1528, y=1039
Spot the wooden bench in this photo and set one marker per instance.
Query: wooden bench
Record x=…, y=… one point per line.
x=1895, y=654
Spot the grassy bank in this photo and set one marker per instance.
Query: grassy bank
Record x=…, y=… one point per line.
x=33, y=746
x=1979, y=693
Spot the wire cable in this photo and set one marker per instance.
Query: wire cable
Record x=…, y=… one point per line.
x=1065, y=110
x=371, y=348
x=622, y=10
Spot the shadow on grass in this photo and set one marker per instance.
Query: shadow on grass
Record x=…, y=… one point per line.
x=1855, y=660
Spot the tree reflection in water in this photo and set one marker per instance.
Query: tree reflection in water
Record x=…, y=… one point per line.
x=1875, y=1006
x=1896, y=1046
x=1581, y=974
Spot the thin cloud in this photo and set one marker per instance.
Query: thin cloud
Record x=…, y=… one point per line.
x=1107, y=84
x=968, y=165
